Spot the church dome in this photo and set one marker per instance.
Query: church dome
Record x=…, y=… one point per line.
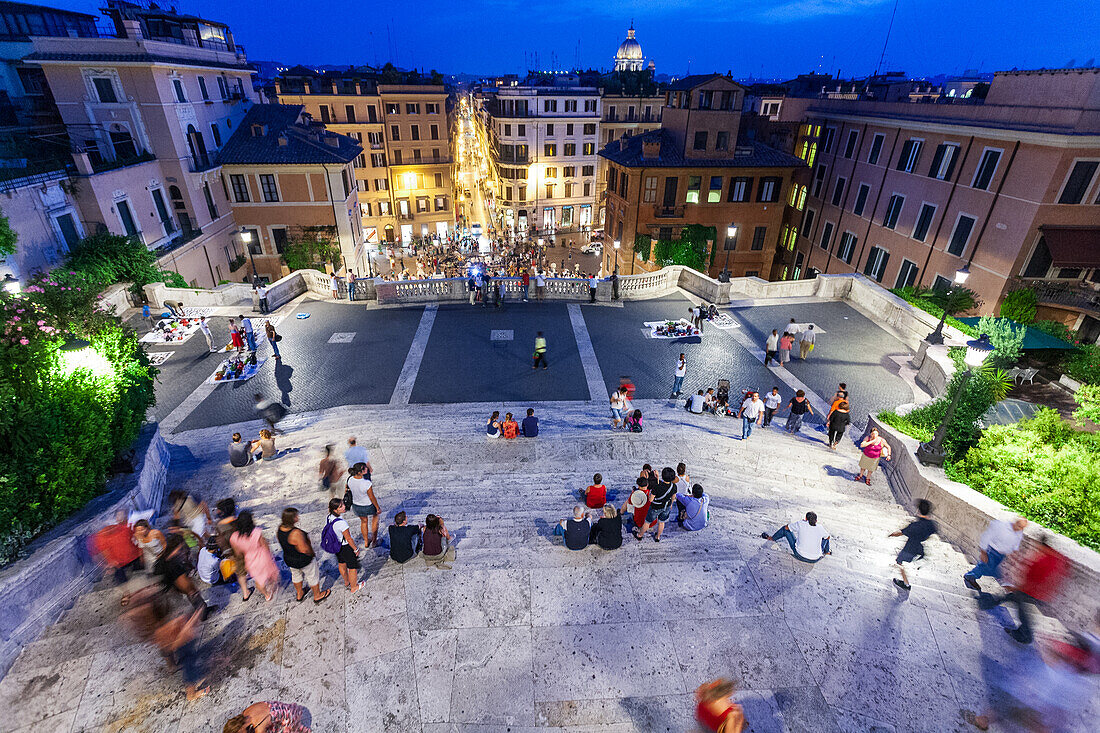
x=629, y=57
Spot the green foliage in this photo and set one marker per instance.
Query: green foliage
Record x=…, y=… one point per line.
x=689, y=250
x=643, y=245
x=1020, y=305
x=1006, y=339
x=921, y=298
x=8, y=237
x=313, y=249
x=105, y=259
x=1043, y=469
x=1084, y=364
x=919, y=430
x=61, y=428
x=1088, y=397
x=1056, y=329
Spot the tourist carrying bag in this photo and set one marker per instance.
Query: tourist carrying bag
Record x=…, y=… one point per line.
x=330, y=543
x=349, y=498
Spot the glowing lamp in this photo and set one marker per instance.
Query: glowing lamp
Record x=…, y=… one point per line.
x=10, y=284
x=977, y=351
x=78, y=354
x=962, y=275
x=731, y=231
x=410, y=180
x=617, y=244
x=246, y=236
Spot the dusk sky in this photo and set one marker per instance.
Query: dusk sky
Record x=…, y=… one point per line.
x=766, y=38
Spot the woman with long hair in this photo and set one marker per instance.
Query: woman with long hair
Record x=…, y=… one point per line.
x=249, y=542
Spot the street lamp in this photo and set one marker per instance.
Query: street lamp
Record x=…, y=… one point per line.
x=615, y=273
x=936, y=337
x=10, y=284
x=977, y=351
x=731, y=234
x=246, y=237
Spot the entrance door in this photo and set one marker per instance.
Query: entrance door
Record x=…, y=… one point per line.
x=67, y=226
x=548, y=218
x=406, y=233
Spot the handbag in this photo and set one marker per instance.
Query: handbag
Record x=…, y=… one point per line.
x=348, y=497
x=278, y=338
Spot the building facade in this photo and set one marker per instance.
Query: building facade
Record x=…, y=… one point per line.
x=404, y=174
x=693, y=170
x=907, y=194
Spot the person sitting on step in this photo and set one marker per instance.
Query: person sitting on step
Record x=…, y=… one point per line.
x=809, y=540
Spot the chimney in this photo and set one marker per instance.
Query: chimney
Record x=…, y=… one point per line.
x=283, y=141
x=651, y=149
x=259, y=130
x=131, y=28
x=278, y=86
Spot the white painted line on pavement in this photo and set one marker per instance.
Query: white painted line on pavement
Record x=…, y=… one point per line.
x=821, y=407
x=597, y=388
x=403, y=390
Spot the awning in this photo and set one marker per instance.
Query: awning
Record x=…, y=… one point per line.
x=1073, y=246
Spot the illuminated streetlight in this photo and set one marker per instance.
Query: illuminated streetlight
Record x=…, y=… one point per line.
x=10, y=284
x=977, y=351
x=246, y=237
x=936, y=337
x=77, y=354
x=731, y=239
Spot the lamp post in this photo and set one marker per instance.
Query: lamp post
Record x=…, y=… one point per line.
x=10, y=284
x=615, y=272
x=246, y=237
x=977, y=351
x=731, y=233
x=936, y=337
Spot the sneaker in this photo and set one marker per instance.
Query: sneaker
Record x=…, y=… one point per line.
x=765, y=536
x=971, y=583
x=656, y=538
x=903, y=586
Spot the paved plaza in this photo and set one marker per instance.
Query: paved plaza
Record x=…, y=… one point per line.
x=524, y=635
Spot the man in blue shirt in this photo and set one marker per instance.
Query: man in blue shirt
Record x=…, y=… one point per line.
x=693, y=509
x=530, y=425
x=356, y=454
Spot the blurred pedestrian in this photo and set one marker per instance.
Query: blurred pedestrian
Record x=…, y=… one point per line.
x=714, y=709
x=150, y=541
x=224, y=529
x=272, y=412
x=114, y=547
x=916, y=533
x=540, y=351
x=270, y=717
x=357, y=453
x=248, y=541
x=329, y=468
x=1044, y=571
x=175, y=636
x=1000, y=539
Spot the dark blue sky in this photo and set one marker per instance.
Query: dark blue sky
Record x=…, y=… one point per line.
x=769, y=38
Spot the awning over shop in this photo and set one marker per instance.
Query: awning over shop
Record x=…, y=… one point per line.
x=1073, y=246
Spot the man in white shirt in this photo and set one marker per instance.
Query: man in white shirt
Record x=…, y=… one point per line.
x=751, y=413
x=678, y=379
x=695, y=403
x=593, y=283
x=205, y=328
x=806, y=344
x=771, y=346
x=771, y=403
x=540, y=284
x=1000, y=539
x=357, y=454
x=249, y=333
x=809, y=541
x=261, y=293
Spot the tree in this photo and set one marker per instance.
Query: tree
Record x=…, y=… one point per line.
x=953, y=300
x=437, y=78
x=313, y=248
x=1005, y=337
x=105, y=259
x=8, y=237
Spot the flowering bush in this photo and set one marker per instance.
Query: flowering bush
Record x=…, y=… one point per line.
x=1084, y=364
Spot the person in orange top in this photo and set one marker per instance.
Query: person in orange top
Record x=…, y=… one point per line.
x=715, y=711
x=510, y=428
x=114, y=547
x=595, y=496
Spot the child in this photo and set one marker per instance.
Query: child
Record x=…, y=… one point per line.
x=595, y=496
x=208, y=567
x=634, y=422
x=715, y=711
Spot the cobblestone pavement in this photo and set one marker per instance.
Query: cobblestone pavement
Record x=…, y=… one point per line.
x=524, y=635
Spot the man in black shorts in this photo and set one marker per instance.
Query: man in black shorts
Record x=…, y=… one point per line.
x=916, y=532
x=660, y=506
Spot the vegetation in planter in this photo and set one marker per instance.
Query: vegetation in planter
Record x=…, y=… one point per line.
x=1020, y=305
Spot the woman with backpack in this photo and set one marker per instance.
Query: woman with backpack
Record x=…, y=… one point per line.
x=299, y=557
x=634, y=422
x=336, y=540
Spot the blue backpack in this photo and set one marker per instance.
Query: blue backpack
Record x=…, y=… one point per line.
x=330, y=543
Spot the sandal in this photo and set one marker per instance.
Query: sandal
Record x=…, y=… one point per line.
x=245, y=598
x=971, y=717
x=324, y=595
x=300, y=598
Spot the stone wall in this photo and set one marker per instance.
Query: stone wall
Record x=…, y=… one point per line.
x=116, y=299
x=35, y=590
x=228, y=294
x=963, y=514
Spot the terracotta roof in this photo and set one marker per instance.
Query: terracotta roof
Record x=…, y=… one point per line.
x=671, y=156
x=305, y=143
x=690, y=82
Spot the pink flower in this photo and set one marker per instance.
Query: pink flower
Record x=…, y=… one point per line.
x=41, y=323
x=24, y=341
x=19, y=329
x=16, y=318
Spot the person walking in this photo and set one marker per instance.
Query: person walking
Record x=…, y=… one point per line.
x=205, y=328
x=798, y=406
x=751, y=413
x=1044, y=571
x=1000, y=539
x=261, y=293
x=249, y=332
x=771, y=404
x=273, y=338
x=678, y=377
x=593, y=283
x=806, y=344
x=540, y=351
x=334, y=283
x=771, y=346
x=525, y=282
x=785, y=344
x=249, y=541
x=299, y=556
x=916, y=533
x=272, y=412
x=838, y=420
x=874, y=448
x=618, y=404
x=364, y=503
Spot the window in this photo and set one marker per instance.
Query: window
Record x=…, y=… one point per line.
x=345, y=179
x=943, y=162
x=589, y=129
x=740, y=190
x=963, y=226
x=162, y=211
x=421, y=204
x=549, y=190
x=589, y=149
x=361, y=161
x=876, y=148
x=278, y=236
x=1077, y=185
x=217, y=133
x=910, y=154
x=223, y=87
x=758, y=236
x=349, y=113
x=378, y=160
x=941, y=283
x=211, y=208
x=807, y=222
x=177, y=86
x=202, y=89
x=521, y=130
x=550, y=130
x=893, y=211
x=393, y=109
x=798, y=197
x=569, y=129
x=431, y=108
x=819, y=180
x=876, y=263
x=924, y=222
x=570, y=171
x=847, y=246
x=649, y=192
x=587, y=190
x=588, y=170
x=700, y=142
x=440, y=203
x=986, y=168
x=850, y=146
x=549, y=150
x=439, y=180
x=372, y=115
x=694, y=182
x=325, y=116
x=722, y=140
x=769, y=190
x=267, y=185
x=395, y=132
x=415, y=130
x=127, y=218
x=714, y=193
x=105, y=90
x=827, y=144
x=240, y=188
x=381, y=184
x=570, y=105
x=375, y=139
x=549, y=105
x=861, y=199
x=907, y=274
x=590, y=105
x=826, y=235
x=570, y=149
x=569, y=188
x=706, y=98
x=412, y=108
x=433, y=132
x=838, y=191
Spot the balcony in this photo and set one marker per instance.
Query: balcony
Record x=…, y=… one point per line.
x=200, y=162
x=102, y=166
x=1066, y=296
x=661, y=211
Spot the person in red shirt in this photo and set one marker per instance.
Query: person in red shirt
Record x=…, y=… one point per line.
x=715, y=711
x=114, y=547
x=595, y=496
x=638, y=502
x=1043, y=573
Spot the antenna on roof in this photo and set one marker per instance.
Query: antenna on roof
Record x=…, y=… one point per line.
x=887, y=41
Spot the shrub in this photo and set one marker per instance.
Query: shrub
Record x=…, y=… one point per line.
x=1084, y=364
x=921, y=298
x=1006, y=339
x=314, y=249
x=1057, y=329
x=105, y=259
x=1088, y=399
x=1020, y=305
x=920, y=429
x=1042, y=468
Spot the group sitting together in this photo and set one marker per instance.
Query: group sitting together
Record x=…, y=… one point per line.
x=508, y=428
x=648, y=506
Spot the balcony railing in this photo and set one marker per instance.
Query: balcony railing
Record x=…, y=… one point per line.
x=1048, y=293
x=660, y=211
x=200, y=163
x=110, y=165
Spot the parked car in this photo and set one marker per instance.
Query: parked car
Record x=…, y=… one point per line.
x=475, y=229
